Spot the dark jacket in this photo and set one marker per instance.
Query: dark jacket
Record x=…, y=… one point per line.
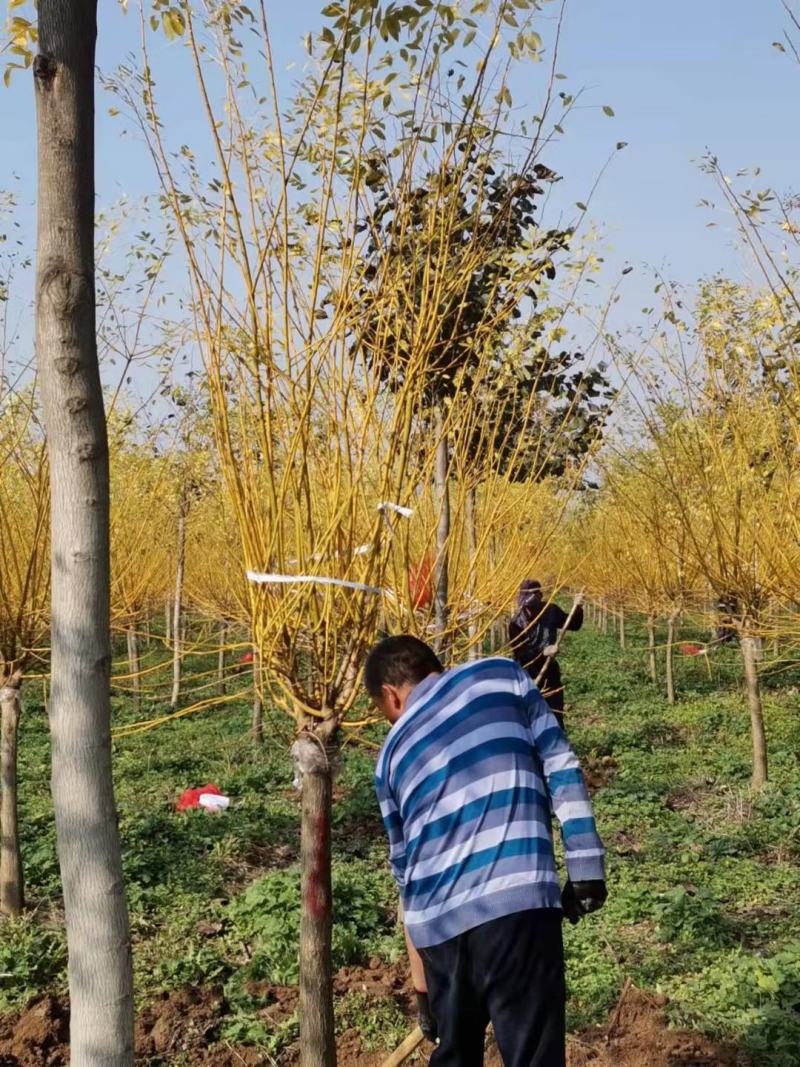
x=529, y=639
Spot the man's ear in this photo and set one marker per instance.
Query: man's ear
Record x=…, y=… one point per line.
x=392, y=702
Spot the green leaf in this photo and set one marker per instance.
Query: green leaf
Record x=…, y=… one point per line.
x=173, y=22
x=608, y=111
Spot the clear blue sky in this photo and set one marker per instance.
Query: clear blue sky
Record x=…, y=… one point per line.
x=681, y=76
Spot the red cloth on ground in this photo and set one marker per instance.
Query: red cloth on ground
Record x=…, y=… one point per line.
x=190, y=798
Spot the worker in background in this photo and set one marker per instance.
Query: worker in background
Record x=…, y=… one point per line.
x=466, y=778
x=532, y=634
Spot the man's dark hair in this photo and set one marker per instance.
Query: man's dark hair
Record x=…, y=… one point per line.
x=400, y=660
x=528, y=585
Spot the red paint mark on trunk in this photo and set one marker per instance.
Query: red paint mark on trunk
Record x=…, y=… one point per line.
x=316, y=891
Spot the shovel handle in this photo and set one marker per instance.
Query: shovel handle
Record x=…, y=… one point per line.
x=402, y=1052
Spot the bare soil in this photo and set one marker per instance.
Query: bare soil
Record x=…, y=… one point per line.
x=179, y=1028
x=637, y=1035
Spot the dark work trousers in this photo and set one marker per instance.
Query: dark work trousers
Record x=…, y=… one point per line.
x=552, y=687
x=509, y=971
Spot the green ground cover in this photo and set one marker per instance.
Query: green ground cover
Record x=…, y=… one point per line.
x=704, y=880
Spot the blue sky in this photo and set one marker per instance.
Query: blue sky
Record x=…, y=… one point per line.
x=681, y=76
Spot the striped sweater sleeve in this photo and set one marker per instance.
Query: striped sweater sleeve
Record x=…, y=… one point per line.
x=394, y=826
x=583, y=849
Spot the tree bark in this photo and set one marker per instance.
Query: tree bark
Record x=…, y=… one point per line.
x=622, y=643
x=133, y=666
x=257, y=724
x=442, y=577
x=96, y=915
x=317, y=1034
x=670, y=660
x=749, y=647
x=167, y=624
x=223, y=641
x=604, y=617
x=651, y=649
x=12, y=885
x=473, y=649
x=177, y=606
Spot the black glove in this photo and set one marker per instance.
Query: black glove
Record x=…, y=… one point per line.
x=581, y=898
x=427, y=1023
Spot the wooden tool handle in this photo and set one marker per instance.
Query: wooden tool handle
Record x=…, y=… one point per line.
x=402, y=1052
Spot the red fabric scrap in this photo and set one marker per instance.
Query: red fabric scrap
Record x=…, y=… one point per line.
x=190, y=798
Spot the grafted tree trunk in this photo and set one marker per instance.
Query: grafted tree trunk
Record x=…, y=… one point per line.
x=473, y=648
x=133, y=665
x=651, y=649
x=96, y=915
x=223, y=641
x=257, y=723
x=177, y=606
x=12, y=885
x=317, y=1034
x=442, y=494
x=749, y=645
x=669, y=667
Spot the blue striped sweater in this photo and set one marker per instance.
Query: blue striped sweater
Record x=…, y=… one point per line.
x=465, y=779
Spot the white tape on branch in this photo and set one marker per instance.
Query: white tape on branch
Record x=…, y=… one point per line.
x=309, y=579
x=398, y=508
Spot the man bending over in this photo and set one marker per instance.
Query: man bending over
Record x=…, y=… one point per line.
x=465, y=781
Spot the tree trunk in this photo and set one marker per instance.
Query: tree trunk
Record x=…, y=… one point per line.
x=167, y=624
x=223, y=641
x=750, y=658
x=651, y=649
x=442, y=495
x=96, y=914
x=622, y=643
x=473, y=648
x=670, y=660
x=177, y=607
x=133, y=666
x=12, y=886
x=257, y=724
x=317, y=1034
x=604, y=617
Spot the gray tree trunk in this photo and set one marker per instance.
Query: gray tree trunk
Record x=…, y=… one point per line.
x=12, y=885
x=750, y=650
x=669, y=667
x=317, y=1033
x=177, y=606
x=133, y=665
x=651, y=649
x=604, y=617
x=167, y=623
x=473, y=648
x=622, y=643
x=95, y=909
x=442, y=577
x=223, y=640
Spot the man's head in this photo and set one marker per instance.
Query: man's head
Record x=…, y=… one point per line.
x=394, y=667
x=530, y=594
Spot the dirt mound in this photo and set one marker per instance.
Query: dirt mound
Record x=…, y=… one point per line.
x=184, y=1021
x=36, y=1038
x=378, y=979
x=598, y=771
x=637, y=1035
x=279, y=1001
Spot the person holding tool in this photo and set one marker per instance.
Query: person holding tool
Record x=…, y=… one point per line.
x=533, y=634
x=466, y=778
